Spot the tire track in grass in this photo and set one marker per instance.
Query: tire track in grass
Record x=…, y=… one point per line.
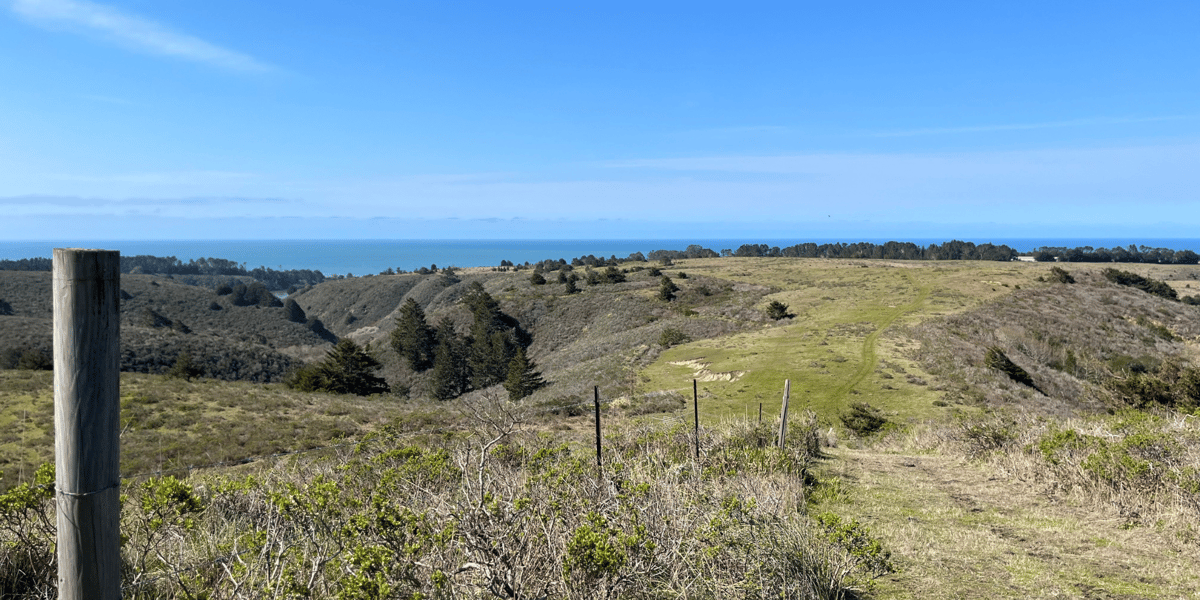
x=869, y=358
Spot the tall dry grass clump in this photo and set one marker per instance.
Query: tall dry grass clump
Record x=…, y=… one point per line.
x=1140, y=466
x=499, y=511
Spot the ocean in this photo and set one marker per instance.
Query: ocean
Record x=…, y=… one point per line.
x=362, y=257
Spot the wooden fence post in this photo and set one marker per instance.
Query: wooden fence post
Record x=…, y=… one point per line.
x=787, y=390
x=696, y=411
x=87, y=364
x=596, y=392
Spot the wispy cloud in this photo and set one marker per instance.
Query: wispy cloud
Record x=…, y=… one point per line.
x=739, y=130
x=134, y=31
x=173, y=178
x=1028, y=126
x=109, y=100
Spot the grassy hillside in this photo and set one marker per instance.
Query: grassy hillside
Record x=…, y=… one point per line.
x=171, y=424
x=162, y=318
x=1082, y=482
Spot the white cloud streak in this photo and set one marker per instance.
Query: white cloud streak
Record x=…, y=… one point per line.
x=134, y=31
x=1028, y=126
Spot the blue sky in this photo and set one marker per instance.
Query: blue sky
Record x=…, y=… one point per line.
x=174, y=119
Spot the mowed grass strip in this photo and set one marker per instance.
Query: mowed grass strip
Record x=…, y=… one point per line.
x=841, y=346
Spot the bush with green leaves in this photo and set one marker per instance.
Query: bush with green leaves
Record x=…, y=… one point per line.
x=28, y=535
x=1150, y=286
x=1061, y=275
x=863, y=419
x=672, y=337
x=496, y=512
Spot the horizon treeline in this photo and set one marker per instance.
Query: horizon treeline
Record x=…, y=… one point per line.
x=892, y=250
x=1129, y=254
x=170, y=265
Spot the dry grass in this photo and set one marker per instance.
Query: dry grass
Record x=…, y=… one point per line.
x=498, y=511
x=173, y=424
x=961, y=529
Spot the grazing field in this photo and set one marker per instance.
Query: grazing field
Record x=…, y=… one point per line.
x=845, y=342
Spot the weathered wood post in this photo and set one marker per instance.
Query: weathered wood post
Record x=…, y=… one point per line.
x=87, y=362
x=787, y=391
x=696, y=412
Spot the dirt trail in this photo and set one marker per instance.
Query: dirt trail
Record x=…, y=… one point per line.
x=958, y=530
x=869, y=359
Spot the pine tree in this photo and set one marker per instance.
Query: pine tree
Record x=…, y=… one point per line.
x=495, y=338
x=667, y=289
x=613, y=275
x=350, y=370
x=777, y=310
x=184, y=367
x=522, y=379
x=413, y=339
x=571, y=288
x=450, y=374
x=347, y=369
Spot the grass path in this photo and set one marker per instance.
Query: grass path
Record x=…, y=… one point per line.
x=960, y=530
x=869, y=355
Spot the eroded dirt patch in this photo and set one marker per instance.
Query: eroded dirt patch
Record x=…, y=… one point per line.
x=701, y=372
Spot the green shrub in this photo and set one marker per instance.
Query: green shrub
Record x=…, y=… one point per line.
x=185, y=368
x=777, y=310
x=985, y=435
x=863, y=419
x=1061, y=275
x=35, y=360
x=672, y=337
x=1150, y=286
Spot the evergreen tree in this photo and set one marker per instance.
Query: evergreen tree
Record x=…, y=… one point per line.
x=777, y=310
x=347, y=369
x=413, y=339
x=571, y=288
x=667, y=289
x=522, y=379
x=450, y=375
x=184, y=367
x=613, y=275
x=494, y=339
